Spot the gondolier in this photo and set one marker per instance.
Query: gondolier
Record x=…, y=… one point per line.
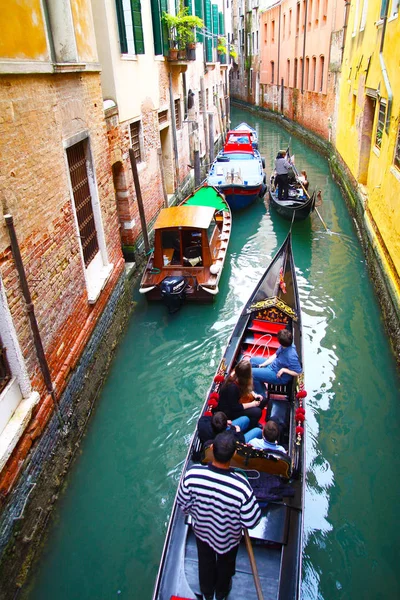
x=282, y=168
x=221, y=503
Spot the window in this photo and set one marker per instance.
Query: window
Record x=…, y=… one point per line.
x=353, y=108
x=397, y=151
x=297, y=18
x=272, y=71
x=307, y=73
x=316, y=13
x=251, y=81
x=163, y=117
x=5, y=373
x=321, y=70
x=384, y=7
x=207, y=100
x=381, y=124
x=178, y=121
x=266, y=33
x=295, y=73
x=314, y=74
x=364, y=15
x=309, y=16
x=130, y=28
x=324, y=11
x=83, y=201
x=257, y=41
x=304, y=14
x=394, y=9
x=87, y=213
x=135, y=139
x=273, y=32
x=284, y=26
x=288, y=73
x=290, y=22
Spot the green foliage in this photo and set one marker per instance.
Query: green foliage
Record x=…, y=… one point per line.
x=222, y=47
x=232, y=52
x=181, y=27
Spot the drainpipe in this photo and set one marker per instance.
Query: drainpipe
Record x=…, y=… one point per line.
x=174, y=136
x=279, y=43
x=44, y=367
x=304, y=49
x=385, y=73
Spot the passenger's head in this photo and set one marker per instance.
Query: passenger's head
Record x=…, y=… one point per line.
x=285, y=338
x=281, y=154
x=224, y=447
x=244, y=375
x=304, y=173
x=219, y=422
x=271, y=431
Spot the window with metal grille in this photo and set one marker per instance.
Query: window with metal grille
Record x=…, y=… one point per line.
x=163, y=116
x=83, y=201
x=135, y=139
x=201, y=103
x=381, y=124
x=5, y=373
x=397, y=151
x=177, y=104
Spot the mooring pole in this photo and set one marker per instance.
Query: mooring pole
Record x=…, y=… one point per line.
x=197, y=175
x=211, y=131
x=139, y=199
x=161, y=165
x=37, y=340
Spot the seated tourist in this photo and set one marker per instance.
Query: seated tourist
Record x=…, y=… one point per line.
x=269, y=440
x=209, y=427
x=279, y=368
x=238, y=386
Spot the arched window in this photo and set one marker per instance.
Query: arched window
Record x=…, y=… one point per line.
x=314, y=72
x=321, y=71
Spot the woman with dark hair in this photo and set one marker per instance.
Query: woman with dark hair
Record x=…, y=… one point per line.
x=237, y=387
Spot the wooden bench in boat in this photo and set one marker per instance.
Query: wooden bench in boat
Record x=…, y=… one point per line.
x=247, y=457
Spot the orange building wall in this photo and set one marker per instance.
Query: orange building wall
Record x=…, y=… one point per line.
x=23, y=33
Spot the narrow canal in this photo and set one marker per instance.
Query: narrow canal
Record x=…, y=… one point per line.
x=107, y=533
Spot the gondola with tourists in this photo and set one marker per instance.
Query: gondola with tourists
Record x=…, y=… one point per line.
x=298, y=204
x=238, y=170
x=276, y=541
x=190, y=247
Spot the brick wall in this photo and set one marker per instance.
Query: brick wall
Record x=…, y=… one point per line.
x=36, y=114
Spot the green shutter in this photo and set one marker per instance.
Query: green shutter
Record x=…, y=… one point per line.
x=221, y=23
x=208, y=24
x=198, y=9
x=189, y=4
x=157, y=24
x=215, y=24
x=121, y=27
x=137, y=26
x=164, y=28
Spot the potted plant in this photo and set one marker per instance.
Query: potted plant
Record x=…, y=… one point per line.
x=232, y=52
x=171, y=21
x=186, y=30
x=222, y=49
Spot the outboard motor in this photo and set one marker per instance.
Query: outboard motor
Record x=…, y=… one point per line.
x=173, y=292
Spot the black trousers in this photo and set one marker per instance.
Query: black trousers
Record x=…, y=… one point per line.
x=215, y=570
x=282, y=181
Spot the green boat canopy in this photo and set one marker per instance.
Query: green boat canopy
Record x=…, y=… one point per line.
x=207, y=196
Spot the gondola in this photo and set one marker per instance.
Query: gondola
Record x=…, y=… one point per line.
x=277, y=540
x=190, y=246
x=299, y=205
x=237, y=171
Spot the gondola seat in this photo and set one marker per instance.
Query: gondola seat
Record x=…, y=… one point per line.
x=247, y=457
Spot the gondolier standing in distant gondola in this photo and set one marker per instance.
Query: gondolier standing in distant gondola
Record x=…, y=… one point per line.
x=282, y=168
x=221, y=503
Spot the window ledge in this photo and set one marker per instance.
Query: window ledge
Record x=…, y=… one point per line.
x=129, y=57
x=16, y=426
x=97, y=281
x=376, y=151
x=395, y=172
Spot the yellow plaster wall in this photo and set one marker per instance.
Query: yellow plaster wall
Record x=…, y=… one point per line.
x=23, y=33
x=382, y=186
x=84, y=30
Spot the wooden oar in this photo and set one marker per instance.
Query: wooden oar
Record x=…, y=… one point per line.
x=308, y=195
x=253, y=565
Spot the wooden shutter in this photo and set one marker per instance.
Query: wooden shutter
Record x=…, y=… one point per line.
x=215, y=24
x=221, y=23
x=164, y=28
x=199, y=12
x=137, y=26
x=189, y=4
x=121, y=27
x=208, y=24
x=157, y=27
x=83, y=201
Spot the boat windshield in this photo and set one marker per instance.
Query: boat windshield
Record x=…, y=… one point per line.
x=240, y=156
x=189, y=240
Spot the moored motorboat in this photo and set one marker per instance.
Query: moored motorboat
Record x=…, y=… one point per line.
x=299, y=204
x=277, y=539
x=190, y=247
x=238, y=170
x=253, y=133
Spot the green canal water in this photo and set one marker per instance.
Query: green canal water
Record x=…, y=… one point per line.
x=108, y=529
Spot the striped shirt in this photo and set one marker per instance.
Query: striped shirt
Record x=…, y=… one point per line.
x=220, y=502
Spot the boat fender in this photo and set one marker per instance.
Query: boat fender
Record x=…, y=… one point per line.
x=215, y=269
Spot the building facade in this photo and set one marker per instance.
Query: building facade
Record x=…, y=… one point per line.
x=369, y=110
